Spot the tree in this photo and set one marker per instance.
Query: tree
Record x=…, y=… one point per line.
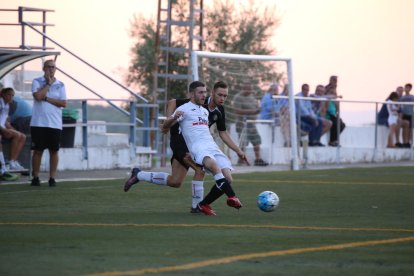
x=241, y=31
x=140, y=72
x=245, y=31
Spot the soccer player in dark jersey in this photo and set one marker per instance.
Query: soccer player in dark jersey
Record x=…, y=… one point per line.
x=181, y=160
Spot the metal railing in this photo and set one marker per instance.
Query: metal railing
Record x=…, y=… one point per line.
x=345, y=108
x=147, y=123
x=142, y=134
x=21, y=11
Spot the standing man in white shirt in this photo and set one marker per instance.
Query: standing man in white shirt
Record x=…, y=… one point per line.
x=46, y=124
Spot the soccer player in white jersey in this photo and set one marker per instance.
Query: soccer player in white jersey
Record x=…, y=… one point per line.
x=193, y=120
x=179, y=161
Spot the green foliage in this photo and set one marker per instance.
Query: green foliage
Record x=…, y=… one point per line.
x=142, y=66
x=243, y=30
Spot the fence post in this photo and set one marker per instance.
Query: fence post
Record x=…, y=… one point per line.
x=374, y=156
x=85, y=130
x=132, y=128
x=146, y=133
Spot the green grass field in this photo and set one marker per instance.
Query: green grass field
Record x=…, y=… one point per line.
x=345, y=221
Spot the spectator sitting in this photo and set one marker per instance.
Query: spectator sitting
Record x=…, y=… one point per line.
x=333, y=83
x=319, y=108
x=7, y=131
x=309, y=121
x=268, y=105
x=332, y=115
x=20, y=114
x=4, y=174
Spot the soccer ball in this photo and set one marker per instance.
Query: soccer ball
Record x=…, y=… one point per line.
x=267, y=201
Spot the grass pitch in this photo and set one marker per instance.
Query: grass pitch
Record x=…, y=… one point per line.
x=346, y=221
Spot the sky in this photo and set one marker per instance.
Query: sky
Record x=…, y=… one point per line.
x=368, y=44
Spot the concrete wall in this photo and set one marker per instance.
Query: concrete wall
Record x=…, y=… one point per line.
x=109, y=150
x=357, y=145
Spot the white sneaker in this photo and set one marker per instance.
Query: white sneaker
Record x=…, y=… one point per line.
x=15, y=166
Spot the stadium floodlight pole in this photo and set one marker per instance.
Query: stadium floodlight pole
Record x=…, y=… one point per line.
x=292, y=109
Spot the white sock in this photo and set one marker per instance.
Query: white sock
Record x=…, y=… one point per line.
x=218, y=176
x=3, y=163
x=159, y=178
x=197, y=192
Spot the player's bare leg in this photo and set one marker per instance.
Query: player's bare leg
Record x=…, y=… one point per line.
x=174, y=180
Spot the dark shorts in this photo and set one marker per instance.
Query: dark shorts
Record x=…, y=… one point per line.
x=408, y=118
x=45, y=138
x=179, y=149
x=22, y=124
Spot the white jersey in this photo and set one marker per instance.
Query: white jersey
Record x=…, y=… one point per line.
x=46, y=114
x=4, y=112
x=196, y=133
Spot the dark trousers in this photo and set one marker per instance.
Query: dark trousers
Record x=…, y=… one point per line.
x=335, y=131
x=309, y=125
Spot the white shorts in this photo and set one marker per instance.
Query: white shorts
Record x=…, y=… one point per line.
x=392, y=119
x=221, y=159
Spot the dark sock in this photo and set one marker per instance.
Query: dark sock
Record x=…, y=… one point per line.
x=221, y=187
x=214, y=194
x=225, y=186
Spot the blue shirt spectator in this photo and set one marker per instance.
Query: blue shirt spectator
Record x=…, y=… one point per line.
x=20, y=114
x=304, y=107
x=309, y=122
x=19, y=108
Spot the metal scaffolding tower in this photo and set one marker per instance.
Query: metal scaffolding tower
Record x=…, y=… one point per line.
x=179, y=22
x=179, y=32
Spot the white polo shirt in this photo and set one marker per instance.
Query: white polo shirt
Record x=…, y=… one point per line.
x=46, y=114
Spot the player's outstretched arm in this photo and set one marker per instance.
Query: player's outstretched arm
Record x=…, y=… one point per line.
x=225, y=136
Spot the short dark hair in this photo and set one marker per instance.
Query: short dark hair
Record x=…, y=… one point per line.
x=408, y=85
x=220, y=84
x=47, y=62
x=193, y=86
x=6, y=90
